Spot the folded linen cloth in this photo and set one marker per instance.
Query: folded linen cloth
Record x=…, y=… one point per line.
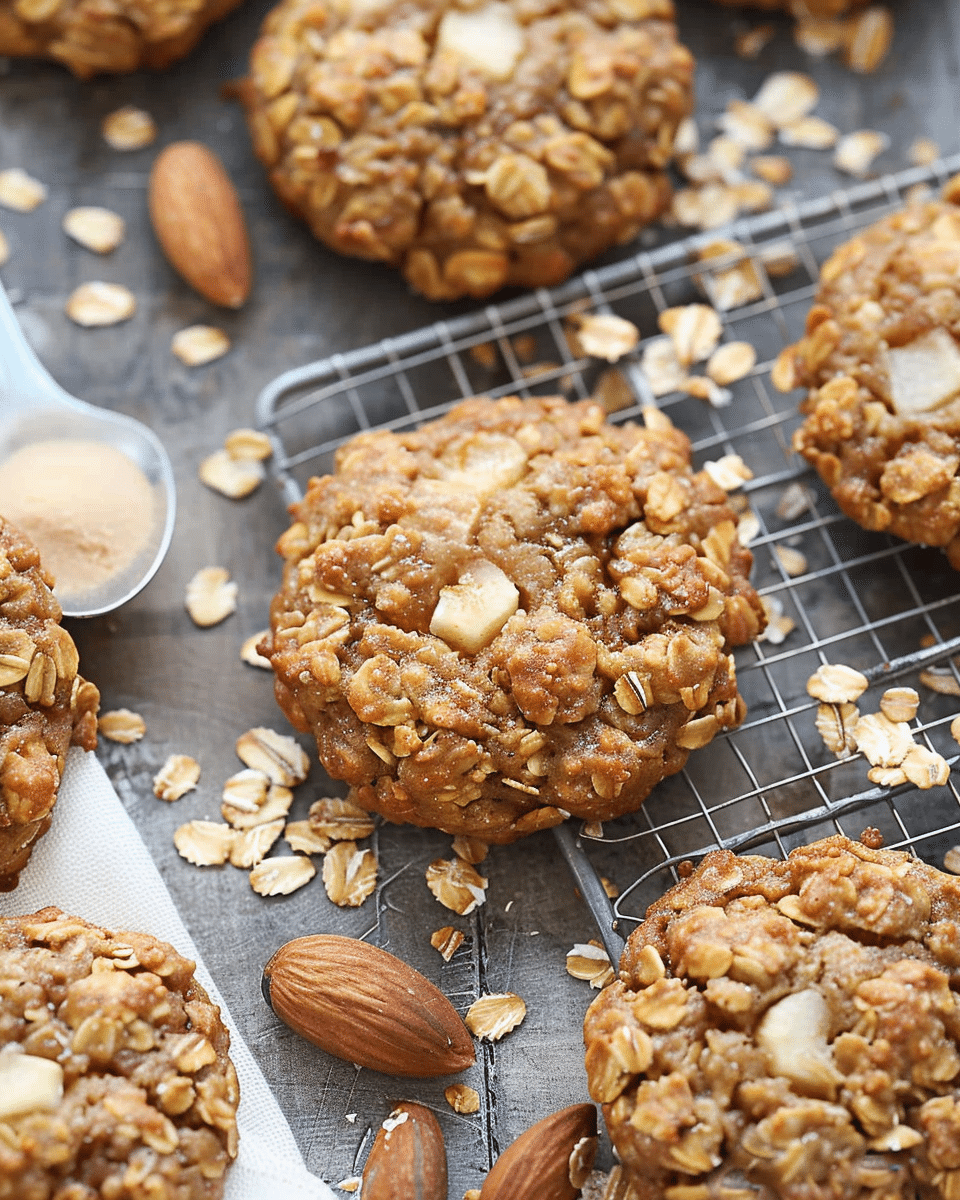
x=92, y=827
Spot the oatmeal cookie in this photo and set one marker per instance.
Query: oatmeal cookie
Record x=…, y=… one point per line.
x=92, y=37
x=881, y=362
x=114, y=1074
x=788, y=1029
x=471, y=147
x=45, y=706
x=516, y=613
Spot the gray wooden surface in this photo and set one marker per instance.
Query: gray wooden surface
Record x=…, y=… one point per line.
x=189, y=684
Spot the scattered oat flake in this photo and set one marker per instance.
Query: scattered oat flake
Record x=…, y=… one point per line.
x=923, y=151
x=204, y=843
x=951, y=860
x=97, y=229
x=810, y=133
x=687, y=138
x=604, y=335
x=869, y=34
x=793, y=502
x=231, y=477
x=249, y=652
x=955, y=729
x=882, y=742
x=735, y=286
x=747, y=125
x=730, y=362
x=924, y=768
x=779, y=259
x=461, y=1098
x=786, y=96
x=4, y=248
x=471, y=849
x=251, y=802
x=245, y=792
x=349, y=874
x=281, y=758
x=251, y=845
x=340, y=820
x=694, y=329
x=281, y=876
x=525, y=347
x=819, y=37
x=704, y=207
x=942, y=680
x=793, y=561
x=20, y=191
x=350, y=1184
x=704, y=388
x=211, y=596
x=659, y=363
x=835, y=724
x=753, y=195
x=493, y=1016
x=305, y=840
x=456, y=884
x=128, y=128
x=98, y=304
x=178, y=775
x=900, y=703
x=836, y=683
x=772, y=168
x=779, y=626
x=589, y=961
x=856, y=151
x=609, y=886
x=888, y=777
x=248, y=444
x=728, y=472
x=199, y=344
x=446, y=941
x=749, y=43
x=122, y=725
x=484, y=354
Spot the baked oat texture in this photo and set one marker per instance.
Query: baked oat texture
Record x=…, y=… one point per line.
x=881, y=362
x=788, y=1029
x=94, y=37
x=516, y=613
x=144, y=1102
x=472, y=146
x=45, y=705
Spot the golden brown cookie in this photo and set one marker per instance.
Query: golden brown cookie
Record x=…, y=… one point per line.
x=475, y=146
x=115, y=1078
x=787, y=1029
x=881, y=362
x=93, y=37
x=516, y=613
x=45, y=705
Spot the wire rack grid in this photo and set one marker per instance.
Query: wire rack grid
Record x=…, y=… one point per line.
x=887, y=608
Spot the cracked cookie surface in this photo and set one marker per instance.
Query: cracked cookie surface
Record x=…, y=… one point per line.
x=115, y=1079
x=787, y=1029
x=45, y=705
x=881, y=362
x=472, y=147
x=516, y=613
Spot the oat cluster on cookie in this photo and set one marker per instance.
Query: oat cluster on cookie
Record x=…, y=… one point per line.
x=472, y=146
x=787, y=1029
x=881, y=362
x=114, y=1075
x=96, y=36
x=518, y=612
x=45, y=705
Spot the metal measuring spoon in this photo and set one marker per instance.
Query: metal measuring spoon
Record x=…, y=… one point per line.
x=34, y=408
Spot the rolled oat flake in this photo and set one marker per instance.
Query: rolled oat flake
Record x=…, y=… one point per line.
x=87, y=506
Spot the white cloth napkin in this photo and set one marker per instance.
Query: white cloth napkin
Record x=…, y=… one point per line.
x=92, y=827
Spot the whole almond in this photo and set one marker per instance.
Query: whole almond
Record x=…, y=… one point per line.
x=408, y=1160
x=366, y=1006
x=198, y=221
x=548, y=1162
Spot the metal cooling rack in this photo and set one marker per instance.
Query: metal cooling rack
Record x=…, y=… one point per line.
x=880, y=605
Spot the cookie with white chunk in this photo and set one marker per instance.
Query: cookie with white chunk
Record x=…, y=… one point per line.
x=787, y=1029
x=518, y=612
x=115, y=1078
x=470, y=145
x=881, y=362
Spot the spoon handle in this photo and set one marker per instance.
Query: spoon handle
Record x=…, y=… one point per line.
x=24, y=382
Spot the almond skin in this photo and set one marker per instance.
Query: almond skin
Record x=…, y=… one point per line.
x=537, y=1165
x=196, y=215
x=366, y=1006
x=408, y=1160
